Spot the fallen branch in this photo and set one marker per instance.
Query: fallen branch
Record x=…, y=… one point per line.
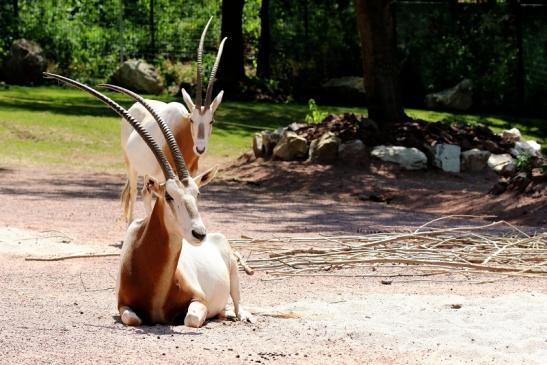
x=70, y=257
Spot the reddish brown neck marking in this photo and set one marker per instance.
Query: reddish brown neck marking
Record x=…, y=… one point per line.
x=183, y=135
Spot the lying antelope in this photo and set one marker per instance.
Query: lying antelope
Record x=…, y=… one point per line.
x=191, y=129
x=171, y=269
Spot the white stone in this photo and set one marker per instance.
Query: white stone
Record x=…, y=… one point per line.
x=498, y=162
x=512, y=134
x=258, y=146
x=530, y=147
x=407, y=158
x=447, y=157
x=474, y=160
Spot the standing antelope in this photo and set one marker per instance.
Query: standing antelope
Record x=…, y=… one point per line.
x=170, y=267
x=191, y=129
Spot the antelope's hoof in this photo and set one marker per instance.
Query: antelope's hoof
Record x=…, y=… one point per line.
x=192, y=320
x=246, y=316
x=130, y=318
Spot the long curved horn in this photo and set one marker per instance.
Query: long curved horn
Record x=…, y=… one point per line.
x=199, y=92
x=182, y=170
x=213, y=74
x=160, y=156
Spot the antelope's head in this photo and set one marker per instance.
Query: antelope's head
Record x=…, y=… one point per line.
x=178, y=195
x=202, y=114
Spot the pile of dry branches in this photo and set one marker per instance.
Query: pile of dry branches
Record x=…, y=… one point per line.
x=475, y=249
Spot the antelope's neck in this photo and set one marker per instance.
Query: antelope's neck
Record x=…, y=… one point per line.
x=160, y=245
x=183, y=135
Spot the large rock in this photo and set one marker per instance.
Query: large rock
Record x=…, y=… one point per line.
x=270, y=140
x=324, y=149
x=25, y=63
x=511, y=135
x=137, y=75
x=348, y=89
x=352, y=152
x=258, y=145
x=291, y=147
x=459, y=97
x=474, y=160
x=499, y=162
x=447, y=157
x=529, y=147
x=407, y=158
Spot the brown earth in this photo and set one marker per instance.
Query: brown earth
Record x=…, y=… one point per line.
x=64, y=311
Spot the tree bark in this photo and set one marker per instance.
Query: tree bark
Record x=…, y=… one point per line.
x=152, y=30
x=231, y=69
x=376, y=25
x=263, y=60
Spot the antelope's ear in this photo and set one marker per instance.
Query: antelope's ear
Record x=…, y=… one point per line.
x=152, y=185
x=217, y=101
x=206, y=177
x=187, y=100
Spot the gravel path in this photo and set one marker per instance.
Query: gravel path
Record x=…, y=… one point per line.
x=64, y=311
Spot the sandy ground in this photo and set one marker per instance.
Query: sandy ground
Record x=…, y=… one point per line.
x=64, y=311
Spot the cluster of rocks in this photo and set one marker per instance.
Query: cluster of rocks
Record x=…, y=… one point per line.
x=414, y=145
x=287, y=144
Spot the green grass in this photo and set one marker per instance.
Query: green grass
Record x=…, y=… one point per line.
x=54, y=126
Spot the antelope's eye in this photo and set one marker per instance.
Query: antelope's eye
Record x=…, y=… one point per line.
x=191, y=121
x=212, y=121
x=168, y=197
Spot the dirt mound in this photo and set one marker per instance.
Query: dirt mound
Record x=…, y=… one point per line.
x=428, y=191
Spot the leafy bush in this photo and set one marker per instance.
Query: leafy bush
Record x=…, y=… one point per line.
x=314, y=116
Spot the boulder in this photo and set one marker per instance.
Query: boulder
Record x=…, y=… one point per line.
x=511, y=135
x=294, y=126
x=447, y=157
x=498, y=162
x=269, y=141
x=25, y=63
x=407, y=158
x=530, y=147
x=291, y=147
x=348, y=89
x=474, y=160
x=324, y=149
x=459, y=97
x=352, y=152
x=258, y=146
x=139, y=76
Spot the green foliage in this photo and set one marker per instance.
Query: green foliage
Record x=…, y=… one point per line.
x=524, y=162
x=314, y=116
x=446, y=45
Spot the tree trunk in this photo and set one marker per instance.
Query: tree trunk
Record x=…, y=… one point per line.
x=152, y=31
x=231, y=70
x=376, y=26
x=263, y=59
x=15, y=23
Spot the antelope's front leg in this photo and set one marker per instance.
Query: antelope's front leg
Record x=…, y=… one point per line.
x=197, y=313
x=240, y=313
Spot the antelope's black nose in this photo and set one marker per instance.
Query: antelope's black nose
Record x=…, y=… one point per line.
x=200, y=151
x=199, y=234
